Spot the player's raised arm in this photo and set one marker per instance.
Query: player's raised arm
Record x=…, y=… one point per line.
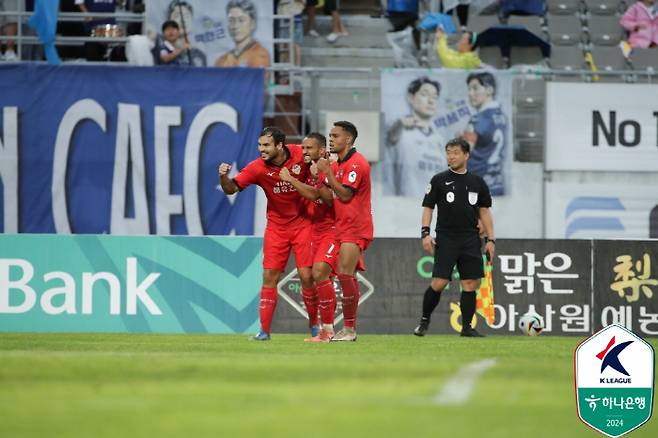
x=303, y=189
x=343, y=193
x=228, y=185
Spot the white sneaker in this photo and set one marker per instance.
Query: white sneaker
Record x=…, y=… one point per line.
x=313, y=33
x=333, y=36
x=345, y=335
x=10, y=56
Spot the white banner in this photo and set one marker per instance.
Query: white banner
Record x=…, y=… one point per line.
x=424, y=109
x=225, y=33
x=602, y=127
x=602, y=210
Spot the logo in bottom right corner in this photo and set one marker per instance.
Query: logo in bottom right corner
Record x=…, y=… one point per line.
x=614, y=376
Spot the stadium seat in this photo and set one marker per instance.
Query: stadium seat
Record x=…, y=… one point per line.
x=491, y=55
x=529, y=93
x=565, y=30
x=609, y=58
x=532, y=23
x=645, y=59
x=567, y=58
x=480, y=23
x=529, y=149
x=563, y=7
x=526, y=55
x=602, y=7
x=604, y=30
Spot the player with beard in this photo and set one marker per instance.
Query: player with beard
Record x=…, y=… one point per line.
x=287, y=223
x=323, y=235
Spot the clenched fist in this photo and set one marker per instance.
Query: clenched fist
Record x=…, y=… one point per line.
x=323, y=165
x=284, y=174
x=224, y=169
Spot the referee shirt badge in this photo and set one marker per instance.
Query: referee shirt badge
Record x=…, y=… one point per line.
x=450, y=197
x=296, y=169
x=428, y=189
x=472, y=198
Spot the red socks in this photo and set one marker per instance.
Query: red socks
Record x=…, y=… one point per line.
x=350, y=298
x=327, y=295
x=268, y=298
x=311, y=301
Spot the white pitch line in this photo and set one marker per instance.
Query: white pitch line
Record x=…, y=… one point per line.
x=458, y=389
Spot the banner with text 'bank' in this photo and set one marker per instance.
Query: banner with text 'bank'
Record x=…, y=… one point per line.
x=173, y=284
x=125, y=150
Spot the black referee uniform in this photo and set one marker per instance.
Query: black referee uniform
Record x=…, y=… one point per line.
x=458, y=198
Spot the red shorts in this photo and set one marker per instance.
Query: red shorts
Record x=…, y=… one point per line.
x=326, y=249
x=362, y=244
x=277, y=244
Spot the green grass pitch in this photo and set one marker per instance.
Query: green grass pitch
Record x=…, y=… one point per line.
x=91, y=385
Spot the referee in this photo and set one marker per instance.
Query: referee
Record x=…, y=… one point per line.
x=461, y=199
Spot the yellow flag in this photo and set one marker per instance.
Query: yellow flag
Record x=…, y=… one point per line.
x=485, y=295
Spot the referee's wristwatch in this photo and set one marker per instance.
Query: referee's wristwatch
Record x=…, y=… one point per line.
x=487, y=240
x=424, y=232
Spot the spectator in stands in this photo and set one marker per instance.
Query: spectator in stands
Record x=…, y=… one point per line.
x=460, y=7
x=169, y=52
x=402, y=14
x=183, y=14
x=96, y=51
x=241, y=27
x=8, y=27
x=293, y=8
x=641, y=23
x=330, y=8
x=464, y=57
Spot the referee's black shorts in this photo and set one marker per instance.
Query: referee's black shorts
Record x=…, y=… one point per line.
x=463, y=250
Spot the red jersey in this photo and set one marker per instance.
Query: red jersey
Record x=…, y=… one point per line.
x=354, y=217
x=322, y=216
x=285, y=206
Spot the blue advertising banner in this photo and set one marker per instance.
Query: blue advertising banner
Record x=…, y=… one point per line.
x=125, y=150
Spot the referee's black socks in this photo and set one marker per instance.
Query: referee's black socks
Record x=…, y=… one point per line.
x=430, y=301
x=467, y=307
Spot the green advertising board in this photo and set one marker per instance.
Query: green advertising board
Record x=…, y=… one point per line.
x=99, y=283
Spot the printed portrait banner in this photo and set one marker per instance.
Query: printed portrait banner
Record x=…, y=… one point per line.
x=126, y=150
x=214, y=31
x=424, y=109
x=626, y=285
x=181, y=284
x=613, y=210
x=601, y=127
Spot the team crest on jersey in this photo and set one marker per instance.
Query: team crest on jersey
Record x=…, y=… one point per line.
x=450, y=197
x=472, y=198
x=351, y=177
x=428, y=189
x=296, y=169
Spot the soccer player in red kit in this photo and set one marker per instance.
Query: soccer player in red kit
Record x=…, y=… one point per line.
x=287, y=222
x=349, y=179
x=323, y=233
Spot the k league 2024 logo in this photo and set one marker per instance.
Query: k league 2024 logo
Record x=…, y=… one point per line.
x=614, y=373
